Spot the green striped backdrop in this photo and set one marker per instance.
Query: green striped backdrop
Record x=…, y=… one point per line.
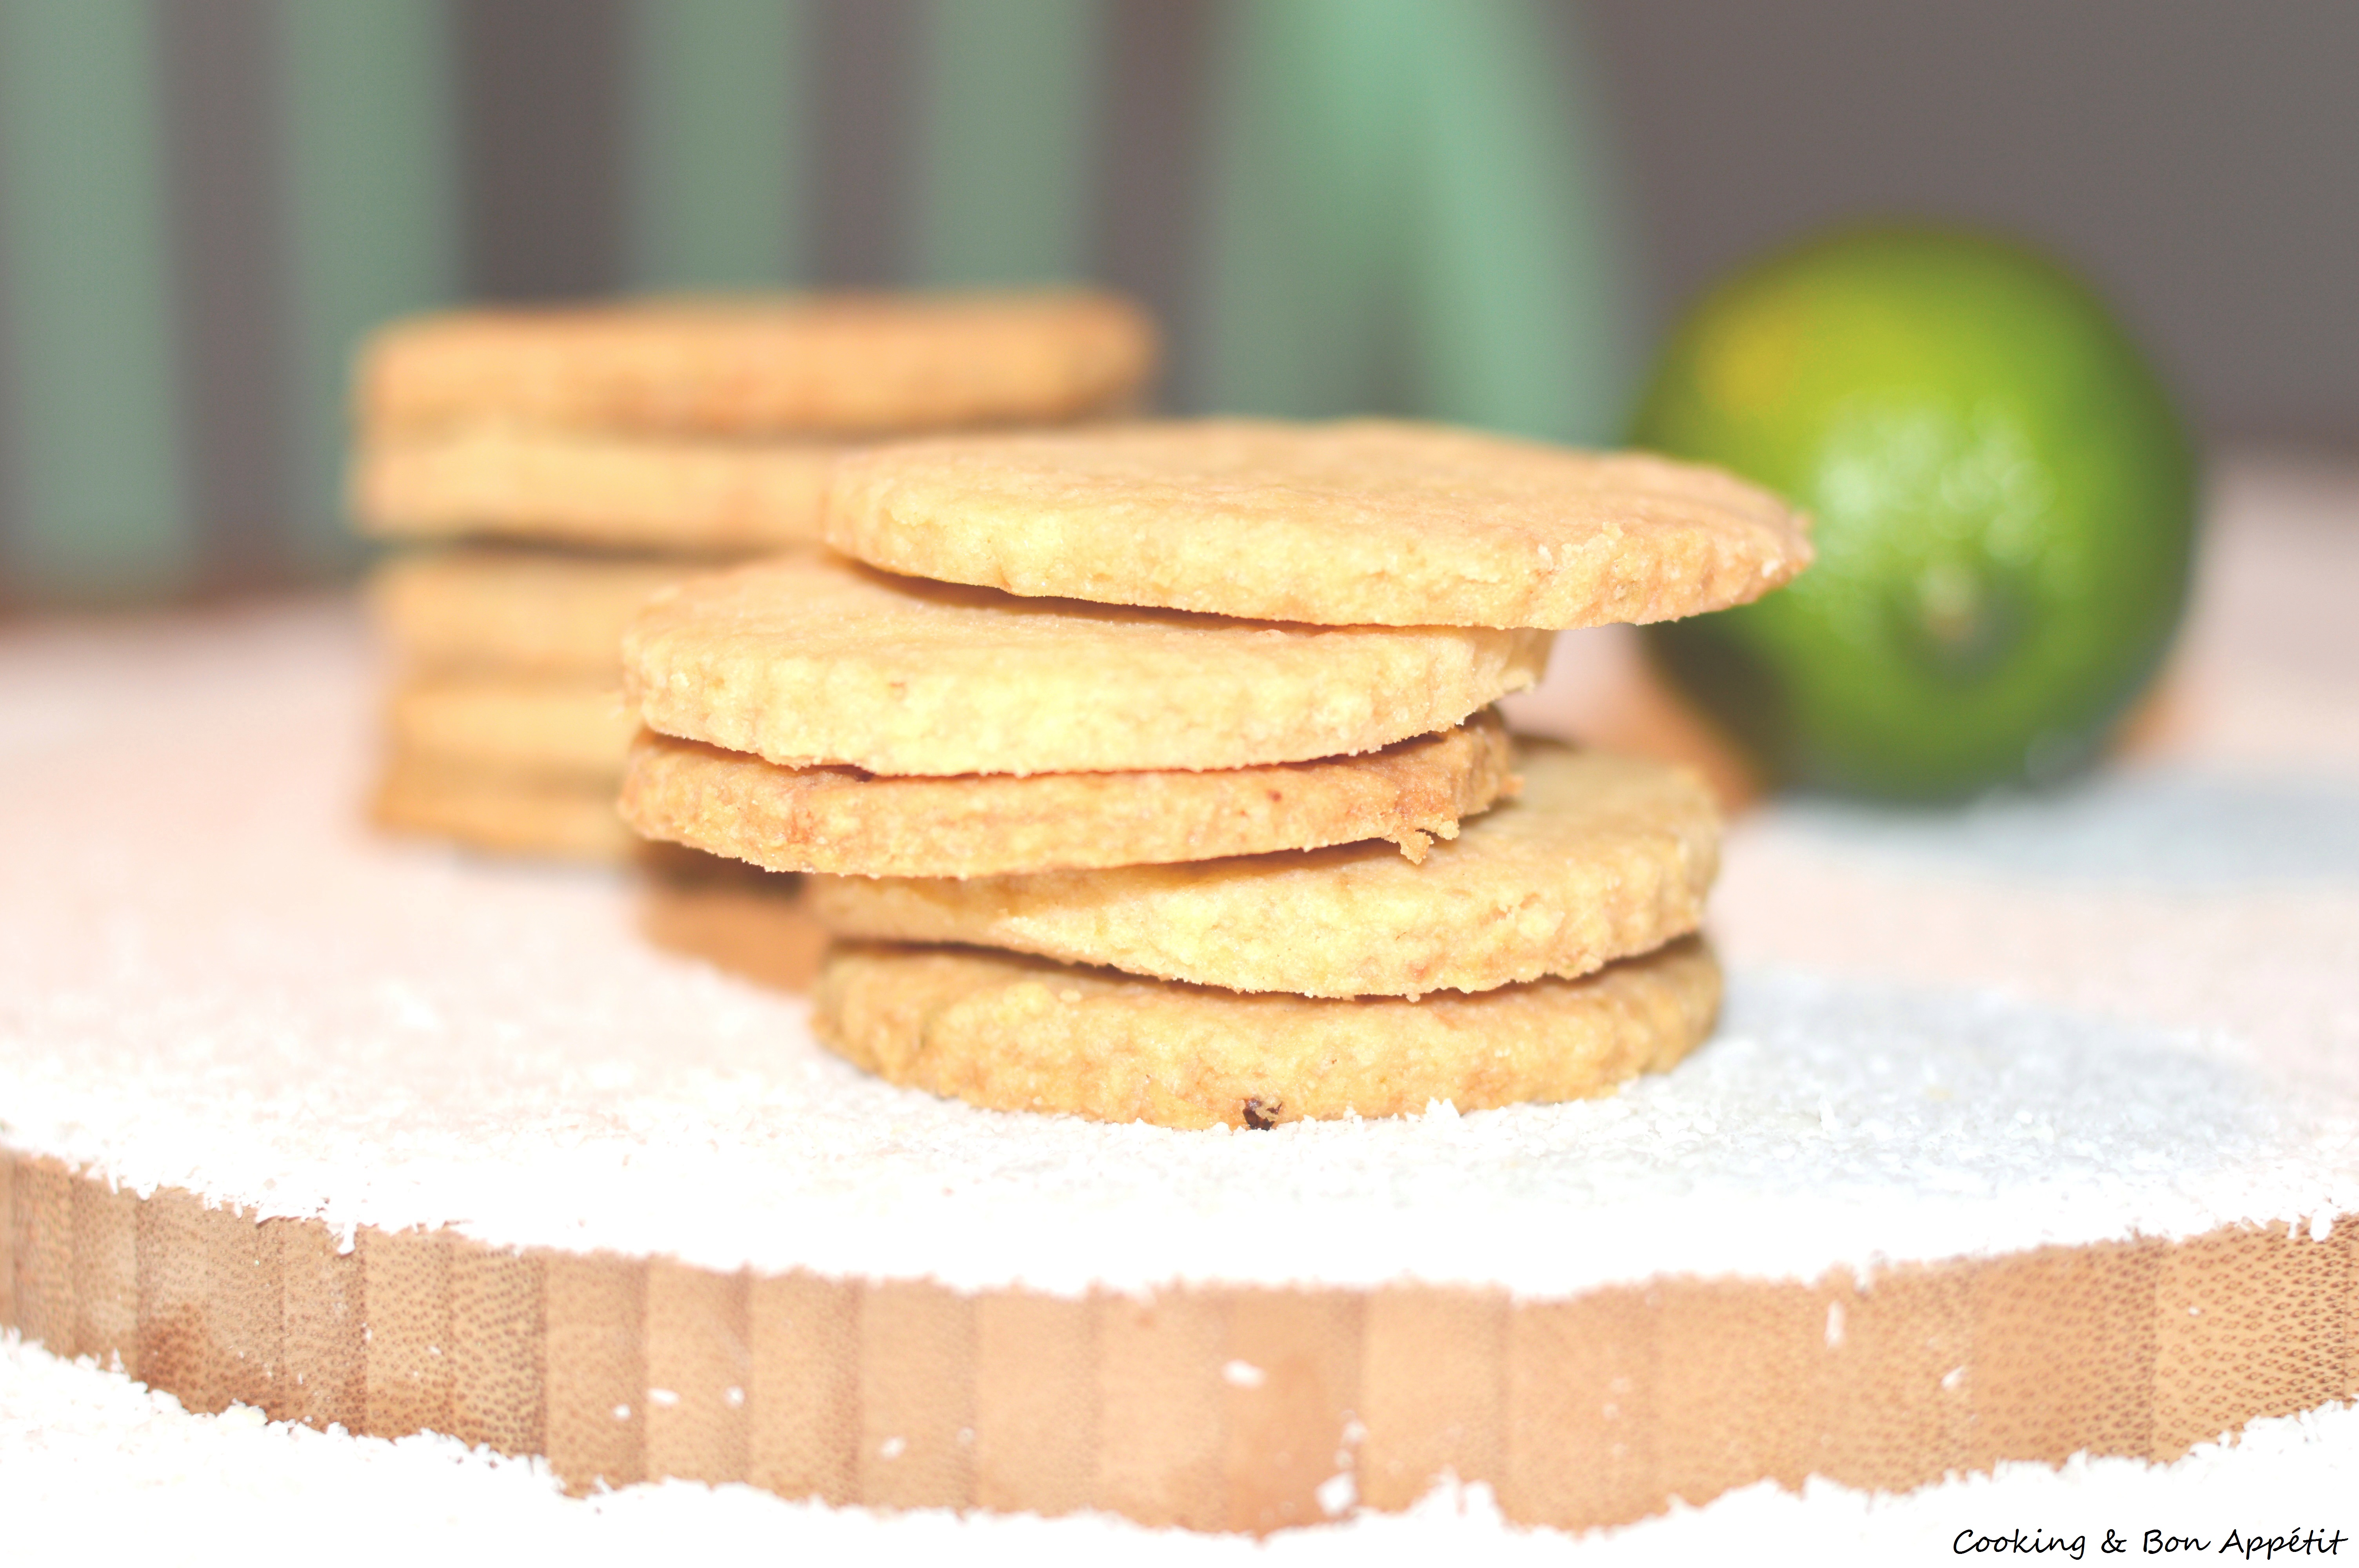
x=1335, y=205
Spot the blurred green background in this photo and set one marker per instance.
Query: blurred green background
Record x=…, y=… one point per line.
x=1477, y=210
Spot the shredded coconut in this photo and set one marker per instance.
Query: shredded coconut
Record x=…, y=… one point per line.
x=216, y=979
x=2054, y=1020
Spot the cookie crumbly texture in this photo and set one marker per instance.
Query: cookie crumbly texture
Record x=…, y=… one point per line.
x=518, y=612
x=503, y=813
x=1599, y=858
x=842, y=821
x=758, y=366
x=1013, y=1034
x=1366, y=522
x=720, y=498
x=572, y=729
x=819, y=661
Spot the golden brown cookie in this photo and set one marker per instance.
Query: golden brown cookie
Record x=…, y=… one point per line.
x=810, y=662
x=843, y=821
x=576, y=729
x=753, y=925
x=1016, y=1034
x=750, y=366
x=719, y=498
x=1367, y=522
x=519, y=611
x=506, y=813
x=1599, y=858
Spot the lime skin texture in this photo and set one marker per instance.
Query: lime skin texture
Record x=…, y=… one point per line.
x=2004, y=505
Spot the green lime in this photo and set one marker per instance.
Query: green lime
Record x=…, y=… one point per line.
x=2004, y=505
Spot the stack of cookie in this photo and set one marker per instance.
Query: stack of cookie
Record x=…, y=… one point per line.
x=558, y=467
x=1160, y=783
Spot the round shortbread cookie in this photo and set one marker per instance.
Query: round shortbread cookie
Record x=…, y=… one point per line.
x=1364, y=523
x=569, y=729
x=842, y=821
x=506, y=813
x=1600, y=857
x=819, y=661
x=652, y=492
x=519, y=611
x=763, y=366
x=1015, y=1033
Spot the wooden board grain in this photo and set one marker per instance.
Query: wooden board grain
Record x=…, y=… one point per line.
x=1209, y=1409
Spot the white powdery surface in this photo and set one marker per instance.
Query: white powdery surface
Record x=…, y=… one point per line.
x=2213, y=884
x=211, y=977
x=90, y=1460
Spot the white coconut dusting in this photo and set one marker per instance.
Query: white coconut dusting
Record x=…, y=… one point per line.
x=94, y=1465
x=1939, y=1041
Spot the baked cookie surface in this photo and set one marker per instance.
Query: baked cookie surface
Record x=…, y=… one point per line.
x=757, y=365
x=518, y=612
x=842, y=821
x=1599, y=858
x=1365, y=522
x=646, y=491
x=812, y=661
x=503, y=813
x=575, y=729
x=1015, y=1033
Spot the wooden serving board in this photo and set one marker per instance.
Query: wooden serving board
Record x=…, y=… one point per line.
x=2029, y=1134
x=1593, y=1410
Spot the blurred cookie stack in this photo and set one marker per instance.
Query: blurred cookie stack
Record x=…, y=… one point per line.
x=1138, y=791
x=553, y=468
